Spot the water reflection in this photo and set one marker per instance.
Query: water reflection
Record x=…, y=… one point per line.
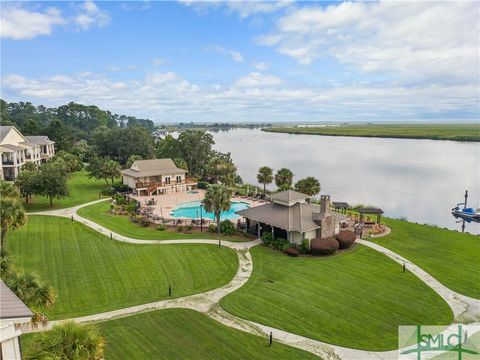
x=418, y=179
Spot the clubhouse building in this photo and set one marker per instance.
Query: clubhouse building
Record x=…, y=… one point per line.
x=291, y=216
x=157, y=177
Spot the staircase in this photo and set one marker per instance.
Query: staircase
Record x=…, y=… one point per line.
x=151, y=189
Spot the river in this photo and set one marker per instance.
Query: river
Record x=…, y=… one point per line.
x=418, y=179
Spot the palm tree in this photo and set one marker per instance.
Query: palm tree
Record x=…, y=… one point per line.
x=68, y=341
x=112, y=169
x=265, y=176
x=217, y=199
x=29, y=289
x=284, y=179
x=309, y=186
x=8, y=190
x=12, y=216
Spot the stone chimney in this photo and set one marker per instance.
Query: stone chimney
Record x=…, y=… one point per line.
x=324, y=204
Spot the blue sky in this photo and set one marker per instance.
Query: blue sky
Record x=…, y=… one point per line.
x=246, y=61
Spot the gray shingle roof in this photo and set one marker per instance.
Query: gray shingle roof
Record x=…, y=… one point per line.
x=153, y=167
x=12, y=307
x=298, y=217
x=289, y=195
x=39, y=140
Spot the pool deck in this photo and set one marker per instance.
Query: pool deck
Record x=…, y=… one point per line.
x=166, y=203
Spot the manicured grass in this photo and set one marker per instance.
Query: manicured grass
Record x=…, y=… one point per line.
x=100, y=213
x=93, y=274
x=186, y=334
x=356, y=299
x=82, y=190
x=183, y=334
x=459, y=132
x=451, y=257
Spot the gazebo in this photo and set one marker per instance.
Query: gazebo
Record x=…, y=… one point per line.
x=370, y=211
x=340, y=206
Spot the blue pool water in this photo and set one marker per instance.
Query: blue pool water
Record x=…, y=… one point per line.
x=191, y=210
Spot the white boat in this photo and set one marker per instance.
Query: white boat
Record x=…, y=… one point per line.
x=468, y=214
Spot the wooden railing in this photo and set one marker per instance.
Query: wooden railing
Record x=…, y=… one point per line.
x=188, y=180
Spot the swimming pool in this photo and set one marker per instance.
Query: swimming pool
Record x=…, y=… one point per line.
x=191, y=210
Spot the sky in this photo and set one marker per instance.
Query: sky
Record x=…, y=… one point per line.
x=246, y=61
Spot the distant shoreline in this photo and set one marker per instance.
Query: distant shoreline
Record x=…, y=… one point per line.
x=450, y=132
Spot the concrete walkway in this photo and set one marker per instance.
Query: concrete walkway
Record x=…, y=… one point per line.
x=465, y=309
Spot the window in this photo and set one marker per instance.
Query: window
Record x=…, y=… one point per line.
x=167, y=180
x=179, y=178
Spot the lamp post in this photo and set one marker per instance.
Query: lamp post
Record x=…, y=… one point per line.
x=201, y=218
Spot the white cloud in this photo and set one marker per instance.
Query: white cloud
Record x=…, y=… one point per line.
x=158, y=61
x=416, y=41
x=19, y=24
x=256, y=80
x=90, y=15
x=261, y=66
x=167, y=95
x=234, y=55
x=243, y=8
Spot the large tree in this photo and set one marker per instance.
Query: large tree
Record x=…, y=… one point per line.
x=71, y=162
x=217, y=199
x=309, y=186
x=27, y=182
x=220, y=168
x=52, y=181
x=132, y=159
x=12, y=216
x=195, y=147
x=61, y=134
x=265, y=176
x=284, y=179
x=112, y=170
x=68, y=340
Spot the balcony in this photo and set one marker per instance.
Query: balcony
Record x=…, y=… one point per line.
x=154, y=185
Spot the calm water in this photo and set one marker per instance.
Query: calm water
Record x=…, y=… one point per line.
x=191, y=210
x=419, y=179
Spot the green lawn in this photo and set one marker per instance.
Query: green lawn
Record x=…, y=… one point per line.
x=93, y=274
x=451, y=257
x=82, y=190
x=459, y=132
x=356, y=299
x=100, y=213
x=183, y=334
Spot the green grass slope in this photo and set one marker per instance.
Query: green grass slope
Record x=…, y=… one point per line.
x=450, y=257
x=186, y=334
x=92, y=274
x=100, y=213
x=355, y=299
x=82, y=190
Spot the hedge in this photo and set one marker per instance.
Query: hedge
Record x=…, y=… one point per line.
x=324, y=246
x=346, y=239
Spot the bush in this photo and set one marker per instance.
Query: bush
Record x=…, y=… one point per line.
x=286, y=246
x=179, y=228
x=131, y=208
x=107, y=191
x=188, y=228
x=325, y=246
x=304, y=248
x=346, y=239
x=227, y=227
x=267, y=238
x=143, y=221
x=212, y=228
x=161, y=227
x=202, y=185
x=291, y=251
x=120, y=187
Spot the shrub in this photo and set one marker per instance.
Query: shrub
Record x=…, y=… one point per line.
x=304, y=248
x=291, y=251
x=131, y=208
x=346, y=239
x=161, y=227
x=227, y=227
x=143, y=221
x=267, y=238
x=212, y=228
x=188, y=228
x=324, y=246
x=286, y=246
x=202, y=185
x=179, y=228
x=134, y=219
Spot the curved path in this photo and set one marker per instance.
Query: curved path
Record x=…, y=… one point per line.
x=466, y=309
